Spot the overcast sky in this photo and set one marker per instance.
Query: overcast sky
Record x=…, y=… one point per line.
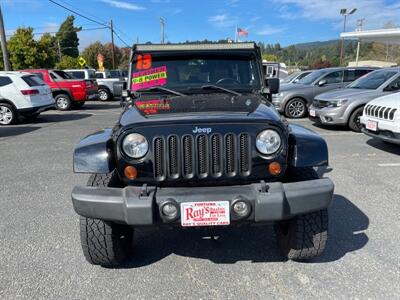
x=271, y=21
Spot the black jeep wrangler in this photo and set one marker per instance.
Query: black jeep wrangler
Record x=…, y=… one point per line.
x=200, y=144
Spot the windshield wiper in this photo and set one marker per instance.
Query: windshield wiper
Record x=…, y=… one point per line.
x=160, y=88
x=216, y=87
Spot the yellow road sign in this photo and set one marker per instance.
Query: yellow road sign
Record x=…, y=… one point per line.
x=81, y=61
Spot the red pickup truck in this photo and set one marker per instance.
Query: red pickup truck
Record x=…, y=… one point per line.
x=67, y=92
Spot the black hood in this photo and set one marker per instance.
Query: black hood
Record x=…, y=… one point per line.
x=197, y=107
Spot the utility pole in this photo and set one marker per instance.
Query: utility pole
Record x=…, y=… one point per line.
x=112, y=44
x=162, y=25
x=4, y=43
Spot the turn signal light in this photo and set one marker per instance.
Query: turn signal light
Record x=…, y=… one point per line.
x=130, y=172
x=275, y=168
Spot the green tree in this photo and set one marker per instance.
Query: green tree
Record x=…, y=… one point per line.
x=48, y=47
x=67, y=36
x=68, y=62
x=24, y=51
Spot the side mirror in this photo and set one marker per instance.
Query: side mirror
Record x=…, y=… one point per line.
x=273, y=85
x=296, y=80
x=322, y=82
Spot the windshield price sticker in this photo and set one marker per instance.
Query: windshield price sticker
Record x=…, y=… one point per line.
x=205, y=213
x=149, y=78
x=153, y=106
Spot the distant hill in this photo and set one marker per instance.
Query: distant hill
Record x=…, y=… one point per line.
x=316, y=44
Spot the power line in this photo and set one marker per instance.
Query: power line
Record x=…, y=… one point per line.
x=82, y=12
x=75, y=12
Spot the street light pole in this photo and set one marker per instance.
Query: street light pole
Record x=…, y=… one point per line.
x=162, y=25
x=345, y=13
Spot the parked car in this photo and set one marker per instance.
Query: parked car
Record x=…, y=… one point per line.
x=67, y=92
x=199, y=148
x=381, y=118
x=295, y=77
x=108, y=80
x=345, y=106
x=294, y=99
x=22, y=94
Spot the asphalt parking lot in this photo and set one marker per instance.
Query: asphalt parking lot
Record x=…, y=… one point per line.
x=41, y=257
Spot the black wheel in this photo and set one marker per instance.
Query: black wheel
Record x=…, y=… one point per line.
x=79, y=104
x=302, y=237
x=354, y=120
x=63, y=102
x=105, y=243
x=296, y=108
x=104, y=94
x=8, y=115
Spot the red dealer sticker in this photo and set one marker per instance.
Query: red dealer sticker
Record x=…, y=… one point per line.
x=150, y=107
x=205, y=213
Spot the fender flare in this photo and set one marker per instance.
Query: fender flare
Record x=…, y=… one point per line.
x=94, y=153
x=3, y=100
x=307, y=148
x=56, y=92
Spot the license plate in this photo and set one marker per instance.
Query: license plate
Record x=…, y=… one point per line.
x=372, y=125
x=205, y=213
x=312, y=113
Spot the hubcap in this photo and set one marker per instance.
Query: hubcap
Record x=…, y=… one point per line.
x=6, y=115
x=62, y=103
x=296, y=108
x=103, y=95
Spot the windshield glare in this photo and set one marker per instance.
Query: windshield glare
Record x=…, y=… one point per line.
x=372, y=80
x=193, y=71
x=310, y=78
x=290, y=77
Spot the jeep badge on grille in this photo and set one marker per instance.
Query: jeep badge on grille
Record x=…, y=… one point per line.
x=202, y=130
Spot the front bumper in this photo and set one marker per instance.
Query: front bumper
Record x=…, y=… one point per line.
x=278, y=103
x=328, y=116
x=141, y=205
x=384, y=135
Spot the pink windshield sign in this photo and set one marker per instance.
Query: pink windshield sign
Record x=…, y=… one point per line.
x=149, y=78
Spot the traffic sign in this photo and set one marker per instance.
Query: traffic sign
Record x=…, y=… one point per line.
x=81, y=61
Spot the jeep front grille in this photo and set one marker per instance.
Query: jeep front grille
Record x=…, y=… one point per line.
x=201, y=156
x=381, y=112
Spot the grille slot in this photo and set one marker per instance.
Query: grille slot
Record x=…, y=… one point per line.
x=159, y=171
x=173, y=166
x=187, y=156
x=380, y=112
x=202, y=156
x=230, y=154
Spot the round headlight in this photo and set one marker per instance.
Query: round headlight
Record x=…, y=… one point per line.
x=268, y=141
x=135, y=145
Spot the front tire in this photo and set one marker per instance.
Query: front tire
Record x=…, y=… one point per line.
x=63, y=102
x=103, y=242
x=354, y=121
x=8, y=115
x=296, y=108
x=303, y=237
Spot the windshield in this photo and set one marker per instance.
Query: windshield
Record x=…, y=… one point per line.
x=190, y=71
x=115, y=74
x=290, y=77
x=310, y=78
x=372, y=80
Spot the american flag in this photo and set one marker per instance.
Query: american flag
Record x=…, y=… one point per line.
x=242, y=32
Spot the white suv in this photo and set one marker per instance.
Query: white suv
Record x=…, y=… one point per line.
x=381, y=118
x=22, y=94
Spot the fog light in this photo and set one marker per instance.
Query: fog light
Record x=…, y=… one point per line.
x=169, y=210
x=275, y=168
x=130, y=172
x=241, y=208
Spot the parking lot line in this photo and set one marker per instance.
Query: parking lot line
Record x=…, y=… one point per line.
x=389, y=165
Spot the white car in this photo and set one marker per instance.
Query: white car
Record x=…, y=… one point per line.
x=381, y=118
x=22, y=94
